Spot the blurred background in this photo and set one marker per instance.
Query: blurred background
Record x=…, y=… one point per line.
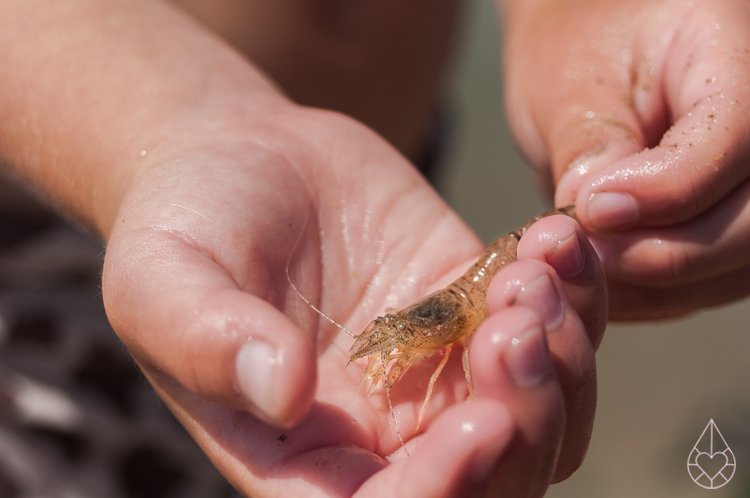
x=659, y=383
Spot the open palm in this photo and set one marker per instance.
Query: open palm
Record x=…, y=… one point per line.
x=195, y=285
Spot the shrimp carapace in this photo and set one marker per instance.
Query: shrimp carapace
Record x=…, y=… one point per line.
x=437, y=321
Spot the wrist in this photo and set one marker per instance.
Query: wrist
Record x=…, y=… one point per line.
x=102, y=83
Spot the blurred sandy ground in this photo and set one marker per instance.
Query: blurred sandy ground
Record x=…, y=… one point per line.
x=659, y=384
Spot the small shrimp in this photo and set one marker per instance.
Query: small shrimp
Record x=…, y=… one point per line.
x=434, y=323
x=437, y=321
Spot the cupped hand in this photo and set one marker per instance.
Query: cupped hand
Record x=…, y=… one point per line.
x=639, y=111
x=195, y=285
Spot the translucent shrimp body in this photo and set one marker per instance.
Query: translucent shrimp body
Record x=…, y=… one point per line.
x=437, y=321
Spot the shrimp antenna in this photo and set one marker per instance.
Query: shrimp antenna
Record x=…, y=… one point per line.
x=294, y=287
x=390, y=406
x=301, y=296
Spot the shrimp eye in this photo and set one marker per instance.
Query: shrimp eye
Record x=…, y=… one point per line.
x=401, y=326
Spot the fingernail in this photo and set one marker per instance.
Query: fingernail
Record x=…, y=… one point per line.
x=567, y=257
x=541, y=296
x=256, y=372
x=527, y=358
x=578, y=169
x=609, y=210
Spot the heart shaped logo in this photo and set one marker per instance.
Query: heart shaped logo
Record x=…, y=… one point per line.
x=711, y=464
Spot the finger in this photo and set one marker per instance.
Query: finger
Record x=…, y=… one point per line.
x=452, y=458
x=535, y=285
x=703, y=156
x=565, y=100
x=560, y=242
x=631, y=302
x=511, y=363
x=712, y=244
x=180, y=313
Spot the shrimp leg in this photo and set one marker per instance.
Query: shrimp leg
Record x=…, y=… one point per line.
x=433, y=379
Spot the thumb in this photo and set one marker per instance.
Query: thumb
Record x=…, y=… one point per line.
x=181, y=314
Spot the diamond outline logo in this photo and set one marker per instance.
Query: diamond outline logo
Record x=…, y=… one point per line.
x=717, y=448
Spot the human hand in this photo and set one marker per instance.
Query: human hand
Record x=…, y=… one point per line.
x=194, y=283
x=640, y=111
x=202, y=177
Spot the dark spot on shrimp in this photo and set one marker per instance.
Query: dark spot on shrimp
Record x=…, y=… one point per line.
x=433, y=311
